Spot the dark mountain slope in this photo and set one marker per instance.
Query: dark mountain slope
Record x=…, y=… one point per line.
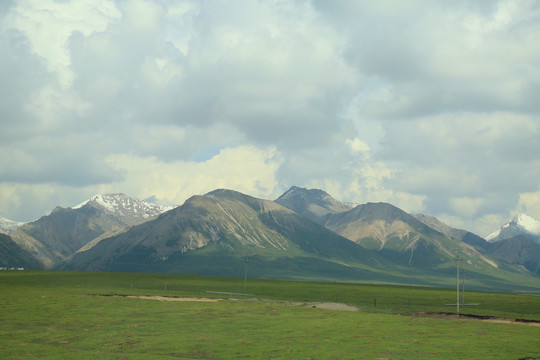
x=518, y=250
x=11, y=255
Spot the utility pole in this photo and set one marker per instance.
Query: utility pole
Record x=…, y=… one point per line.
x=245, y=271
x=458, y=259
x=463, y=287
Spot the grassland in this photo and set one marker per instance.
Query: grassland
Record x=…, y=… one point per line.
x=70, y=315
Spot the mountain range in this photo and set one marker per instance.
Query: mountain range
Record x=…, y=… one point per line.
x=58, y=235
x=304, y=234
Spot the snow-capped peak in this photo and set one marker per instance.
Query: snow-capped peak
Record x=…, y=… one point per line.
x=528, y=223
x=519, y=224
x=123, y=205
x=7, y=226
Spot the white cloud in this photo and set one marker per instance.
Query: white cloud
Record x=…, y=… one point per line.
x=529, y=203
x=465, y=153
x=357, y=146
x=48, y=26
x=142, y=16
x=466, y=206
x=246, y=169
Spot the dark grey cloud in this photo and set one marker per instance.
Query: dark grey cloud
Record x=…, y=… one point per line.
x=22, y=72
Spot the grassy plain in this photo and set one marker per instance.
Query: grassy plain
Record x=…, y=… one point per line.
x=65, y=315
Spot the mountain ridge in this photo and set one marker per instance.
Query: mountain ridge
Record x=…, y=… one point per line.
x=56, y=236
x=313, y=204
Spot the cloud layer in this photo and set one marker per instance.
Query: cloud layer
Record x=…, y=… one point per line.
x=429, y=105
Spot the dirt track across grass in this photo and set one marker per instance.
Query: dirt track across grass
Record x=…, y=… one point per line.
x=163, y=298
x=171, y=298
x=490, y=319
x=328, y=306
x=345, y=307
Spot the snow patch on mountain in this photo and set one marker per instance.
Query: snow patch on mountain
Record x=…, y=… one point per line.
x=123, y=205
x=7, y=226
x=518, y=225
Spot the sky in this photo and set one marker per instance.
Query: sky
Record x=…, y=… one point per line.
x=432, y=106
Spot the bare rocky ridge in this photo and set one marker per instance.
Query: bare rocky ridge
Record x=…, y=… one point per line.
x=12, y=256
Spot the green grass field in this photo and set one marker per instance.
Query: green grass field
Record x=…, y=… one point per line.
x=65, y=315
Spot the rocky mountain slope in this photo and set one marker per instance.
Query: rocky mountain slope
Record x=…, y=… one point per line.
x=58, y=235
x=12, y=256
x=519, y=250
x=401, y=238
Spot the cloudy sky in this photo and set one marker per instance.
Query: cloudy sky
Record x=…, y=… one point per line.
x=433, y=106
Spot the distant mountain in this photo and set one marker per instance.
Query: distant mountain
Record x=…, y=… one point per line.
x=123, y=208
x=212, y=234
x=65, y=230
x=455, y=234
x=12, y=256
x=521, y=224
x=395, y=234
x=7, y=226
x=412, y=242
x=313, y=204
x=518, y=250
